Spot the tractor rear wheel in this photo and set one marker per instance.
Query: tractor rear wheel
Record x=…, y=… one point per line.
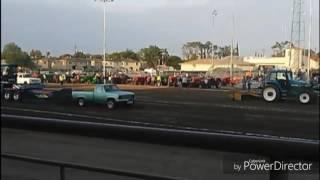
x=271, y=94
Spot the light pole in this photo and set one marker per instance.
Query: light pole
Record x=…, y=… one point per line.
x=309, y=38
x=214, y=14
x=104, y=38
x=231, y=56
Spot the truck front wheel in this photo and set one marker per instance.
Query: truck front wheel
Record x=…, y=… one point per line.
x=17, y=96
x=111, y=104
x=304, y=98
x=81, y=102
x=270, y=94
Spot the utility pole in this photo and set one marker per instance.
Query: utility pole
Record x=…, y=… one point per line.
x=214, y=14
x=104, y=38
x=309, y=38
x=231, y=56
x=297, y=31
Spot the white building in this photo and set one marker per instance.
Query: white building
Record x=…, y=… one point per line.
x=203, y=65
x=294, y=59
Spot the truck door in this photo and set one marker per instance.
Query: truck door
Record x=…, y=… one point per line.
x=100, y=95
x=283, y=81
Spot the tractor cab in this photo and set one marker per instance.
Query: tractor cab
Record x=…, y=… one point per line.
x=280, y=84
x=282, y=78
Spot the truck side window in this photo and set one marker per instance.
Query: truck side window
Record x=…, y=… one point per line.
x=101, y=89
x=107, y=88
x=273, y=76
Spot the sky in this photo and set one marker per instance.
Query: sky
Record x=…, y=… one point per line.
x=60, y=25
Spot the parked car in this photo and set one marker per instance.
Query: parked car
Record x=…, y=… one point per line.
x=108, y=94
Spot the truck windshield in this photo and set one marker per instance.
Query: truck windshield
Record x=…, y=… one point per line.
x=111, y=88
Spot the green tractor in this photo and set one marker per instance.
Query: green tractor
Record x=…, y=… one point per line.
x=279, y=84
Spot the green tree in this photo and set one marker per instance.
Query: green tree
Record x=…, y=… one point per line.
x=279, y=48
x=14, y=55
x=164, y=56
x=79, y=54
x=197, y=49
x=192, y=50
x=129, y=54
x=115, y=56
x=151, y=55
x=174, y=62
x=35, y=54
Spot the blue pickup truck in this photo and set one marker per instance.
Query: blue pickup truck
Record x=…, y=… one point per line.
x=108, y=94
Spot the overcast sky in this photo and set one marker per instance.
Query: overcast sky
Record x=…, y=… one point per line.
x=59, y=25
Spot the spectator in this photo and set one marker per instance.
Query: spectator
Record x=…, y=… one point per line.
x=249, y=83
x=110, y=79
x=216, y=82
x=169, y=80
x=44, y=79
x=244, y=82
x=179, y=82
x=184, y=81
x=159, y=80
x=97, y=76
x=206, y=84
x=153, y=80
x=61, y=79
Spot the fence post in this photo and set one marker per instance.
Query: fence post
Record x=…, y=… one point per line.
x=62, y=174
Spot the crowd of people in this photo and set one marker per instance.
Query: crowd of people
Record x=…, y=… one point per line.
x=183, y=80
x=177, y=80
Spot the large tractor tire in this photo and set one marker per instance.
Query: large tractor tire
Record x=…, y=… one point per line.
x=271, y=94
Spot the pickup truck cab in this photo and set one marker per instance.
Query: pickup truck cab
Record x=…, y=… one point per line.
x=26, y=78
x=108, y=94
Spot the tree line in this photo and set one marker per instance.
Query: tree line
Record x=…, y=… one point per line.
x=279, y=49
x=152, y=55
x=198, y=50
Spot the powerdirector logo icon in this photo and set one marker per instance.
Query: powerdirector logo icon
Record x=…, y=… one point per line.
x=246, y=164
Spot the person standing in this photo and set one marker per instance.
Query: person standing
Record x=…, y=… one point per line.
x=61, y=79
x=249, y=83
x=44, y=77
x=244, y=82
x=110, y=79
x=159, y=80
x=184, y=81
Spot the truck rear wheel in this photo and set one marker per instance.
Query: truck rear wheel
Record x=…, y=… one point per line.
x=304, y=98
x=270, y=94
x=7, y=95
x=81, y=102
